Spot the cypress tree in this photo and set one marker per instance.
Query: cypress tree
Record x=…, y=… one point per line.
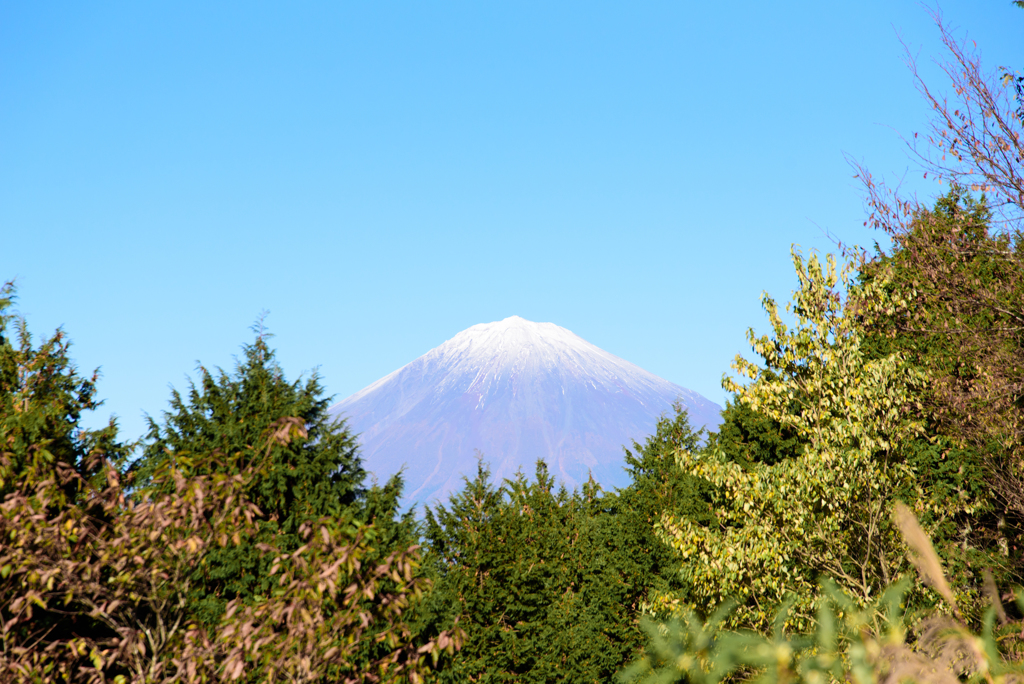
x=47, y=457
x=659, y=487
x=549, y=584
x=231, y=417
x=42, y=400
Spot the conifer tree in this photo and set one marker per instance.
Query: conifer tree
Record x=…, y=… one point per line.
x=100, y=583
x=658, y=488
x=42, y=399
x=229, y=415
x=750, y=437
x=966, y=269
x=45, y=453
x=967, y=450
x=548, y=584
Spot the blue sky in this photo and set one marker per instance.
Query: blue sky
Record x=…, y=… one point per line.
x=380, y=176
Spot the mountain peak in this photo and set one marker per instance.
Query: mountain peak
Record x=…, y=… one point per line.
x=512, y=332
x=517, y=391
x=514, y=325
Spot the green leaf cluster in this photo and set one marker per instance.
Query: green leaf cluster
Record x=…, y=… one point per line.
x=247, y=548
x=823, y=510
x=42, y=400
x=548, y=584
x=882, y=640
x=224, y=424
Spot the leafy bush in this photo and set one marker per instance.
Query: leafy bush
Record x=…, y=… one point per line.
x=878, y=642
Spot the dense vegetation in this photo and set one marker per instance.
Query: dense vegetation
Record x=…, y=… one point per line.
x=859, y=513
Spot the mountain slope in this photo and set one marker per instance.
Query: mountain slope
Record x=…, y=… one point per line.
x=514, y=391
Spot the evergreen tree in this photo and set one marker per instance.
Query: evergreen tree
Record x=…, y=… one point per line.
x=964, y=288
x=541, y=580
x=99, y=584
x=549, y=585
x=42, y=400
x=961, y=265
x=232, y=416
x=750, y=437
x=659, y=488
x=46, y=457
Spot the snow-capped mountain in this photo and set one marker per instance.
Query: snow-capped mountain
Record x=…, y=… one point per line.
x=515, y=391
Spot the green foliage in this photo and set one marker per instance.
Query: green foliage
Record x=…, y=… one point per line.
x=850, y=640
x=858, y=405
x=42, y=399
x=964, y=298
x=102, y=583
x=962, y=288
x=749, y=437
x=824, y=511
x=546, y=584
x=659, y=487
x=656, y=482
x=118, y=573
x=965, y=268
x=301, y=480
x=231, y=414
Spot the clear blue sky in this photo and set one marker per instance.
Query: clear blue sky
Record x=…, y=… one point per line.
x=380, y=176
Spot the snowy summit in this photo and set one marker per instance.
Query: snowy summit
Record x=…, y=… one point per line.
x=516, y=391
